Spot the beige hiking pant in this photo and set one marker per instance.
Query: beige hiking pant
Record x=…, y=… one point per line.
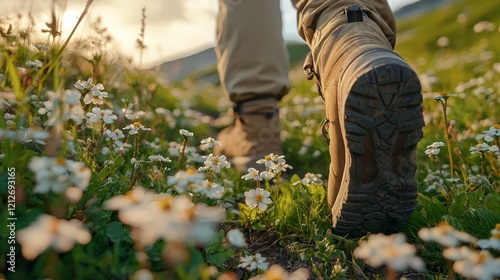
x=252, y=58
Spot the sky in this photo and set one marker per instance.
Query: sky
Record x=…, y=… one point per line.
x=174, y=28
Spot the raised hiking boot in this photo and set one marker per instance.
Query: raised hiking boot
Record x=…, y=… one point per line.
x=255, y=133
x=374, y=121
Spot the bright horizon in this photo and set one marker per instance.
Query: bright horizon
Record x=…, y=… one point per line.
x=171, y=30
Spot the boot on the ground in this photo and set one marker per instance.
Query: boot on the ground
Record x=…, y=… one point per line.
x=255, y=133
x=374, y=122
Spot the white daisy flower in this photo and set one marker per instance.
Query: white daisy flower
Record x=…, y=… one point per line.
x=48, y=231
x=159, y=158
x=185, y=133
x=214, y=163
x=253, y=262
x=434, y=148
x=258, y=198
x=97, y=114
x=392, y=251
x=253, y=174
x=135, y=127
x=445, y=235
x=210, y=142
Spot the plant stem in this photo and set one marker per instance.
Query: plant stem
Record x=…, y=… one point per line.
x=136, y=148
x=447, y=134
x=181, y=156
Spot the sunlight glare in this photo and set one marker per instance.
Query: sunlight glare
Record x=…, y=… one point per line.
x=69, y=20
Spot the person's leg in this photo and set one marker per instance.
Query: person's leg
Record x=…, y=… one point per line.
x=374, y=112
x=253, y=69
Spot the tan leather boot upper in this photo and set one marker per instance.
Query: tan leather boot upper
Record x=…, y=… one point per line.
x=255, y=133
x=373, y=106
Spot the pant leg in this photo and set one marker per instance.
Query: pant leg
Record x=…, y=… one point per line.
x=314, y=15
x=251, y=53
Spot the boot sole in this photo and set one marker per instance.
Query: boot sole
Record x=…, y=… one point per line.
x=382, y=127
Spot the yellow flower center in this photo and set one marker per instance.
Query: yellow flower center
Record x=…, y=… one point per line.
x=255, y=174
x=497, y=226
x=191, y=214
x=165, y=202
x=496, y=235
x=259, y=198
x=208, y=186
x=267, y=157
x=443, y=228
x=54, y=225
x=216, y=160
x=496, y=126
x=481, y=258
x=191, y=170
x=130, y=195
x=443, y=93
x=137, y=124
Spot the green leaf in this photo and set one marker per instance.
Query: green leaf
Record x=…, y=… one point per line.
x=295, y=178
x=104, y=173
x=492, y=202
x=115, y=232
x=432, y=210
x=218, y=259
x=16, y=83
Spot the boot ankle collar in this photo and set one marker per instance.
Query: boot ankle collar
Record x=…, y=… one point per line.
x=264, y=104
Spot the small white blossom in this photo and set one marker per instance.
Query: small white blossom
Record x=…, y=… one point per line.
x=312, y=179
x=267, y=175
x=186, y=133
x=80, y=84
x=36, y=135
x=445, y=235
x=493, y=242
x=135, y=127
x=444, y=96
x=214, y=163
x=253, y=174
x=258, y=198
x=48, y=231
x=34, y=64
x=480, y=148
x=434, y=148
x=159, y=158
x=62, y=106
x=182, y=180
x=236, y=238
x=271, y=159
x=280, y=167
x=97, y=114
x=210, y=142
x=479, y=265
x=57, y=174
x=254, y=262
x=209, y=189
x=392, y=251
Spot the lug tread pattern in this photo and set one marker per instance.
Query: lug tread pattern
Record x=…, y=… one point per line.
x=383, y=124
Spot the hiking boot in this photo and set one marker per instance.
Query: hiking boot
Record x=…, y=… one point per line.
x=255, y=133
x=374, y=121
